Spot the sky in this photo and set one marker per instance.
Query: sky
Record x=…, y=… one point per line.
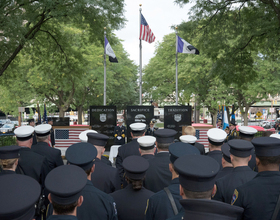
x=159, y=14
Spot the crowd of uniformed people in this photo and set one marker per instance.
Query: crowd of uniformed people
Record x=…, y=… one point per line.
x=156, y=176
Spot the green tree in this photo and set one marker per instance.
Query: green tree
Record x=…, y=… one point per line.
x=21, y=21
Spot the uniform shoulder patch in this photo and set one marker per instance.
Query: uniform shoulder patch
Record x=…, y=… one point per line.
x=234, y=197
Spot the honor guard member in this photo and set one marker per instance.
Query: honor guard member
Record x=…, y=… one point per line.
x=50, y=122
x=259, y=196
x=240, y=155
x=65, y=184
x=119, y=133
x=226, y=162
x=131, y=148
x=19, y=193
x=158, y=175
x=83, y=138
x=247, y=133
x=216, y=138
x=190, y=138
x=147, y=146
x=43, y=148
x=165, y=203
x=30, y=163
x=104, y=177
x=151, y=129
x=219, y=124
x=197, y=177
x=233, y=132
x=9, y=159
x=96, y=204
x=131, y=201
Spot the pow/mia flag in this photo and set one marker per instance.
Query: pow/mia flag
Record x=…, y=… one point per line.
x=109, y=51
x=185, y=47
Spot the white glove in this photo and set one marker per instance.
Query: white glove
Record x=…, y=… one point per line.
x=119, y=137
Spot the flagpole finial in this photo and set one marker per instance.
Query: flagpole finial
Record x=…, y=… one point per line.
x=104, y=28
x=140, y=5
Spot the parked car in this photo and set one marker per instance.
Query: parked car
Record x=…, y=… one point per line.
x=7, y=128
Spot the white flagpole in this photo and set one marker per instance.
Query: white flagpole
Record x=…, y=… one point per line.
x=104, y=101
x=140, y=60
x=176, y=68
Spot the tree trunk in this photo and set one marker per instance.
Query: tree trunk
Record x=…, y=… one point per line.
x=214, y=119
x=61, y=112
x=80, y=114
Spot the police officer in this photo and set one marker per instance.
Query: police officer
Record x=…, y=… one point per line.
x=147, y=146
x=131, y=148
x=104, y=177
x=159, y=205
x=30, y=163
x=158, y=175
x=43, y=148
x=216, y=138
x=96, y=204
x=197, y=177
x=83, y=138
x=131, y=201
x=119, y=133
x=191, y=139
x=259, y=196
x=233, y=132
x=226, y=162
x=240, y=155
x=247, y=133
x=65, y=184
x=151, y=129
x=19, y=193
x=9, y=159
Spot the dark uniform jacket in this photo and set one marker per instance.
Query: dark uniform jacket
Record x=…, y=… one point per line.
x=4, y=172
x=53, y=155
x=158, y=174
x=150, y=131
x=105, y=178
x=225, y=171
x=33, y=164
x=62, y=217
x=52, y=137
x=148, y=156
x=159, y=206
x=105, y=160
x=259, y=196
x=233, y=134
x=96, y=205
x=227, y=184
x=131, y=204
x=121, y=132
x=204, y=209
x=131, y=148
x=200, y=147
x=217, y=155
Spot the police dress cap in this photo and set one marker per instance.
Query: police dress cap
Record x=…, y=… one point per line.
x=43, y=129
x=65, y=183
x=24, y=133
x=266, y=146
x=146, y=142
x=201, y=209
x=232, y=123
x=247, y=131
x=19, y=193
x=275, y=135
x=97, y=139
x=135, y=167
x=165, y=135
x=240, y=148
x=81, y=154
x=138, y=126
x=188, y=139
x=179, y=149
x=83, y=135
x=197, y=172
x=226, y=153
x=216, y=136
x=9, y=152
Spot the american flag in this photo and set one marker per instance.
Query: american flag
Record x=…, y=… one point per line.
x=202, y=138
x=146, y=33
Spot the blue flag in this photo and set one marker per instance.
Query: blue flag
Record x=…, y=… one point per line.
x=45, y=114
x=225, y=118
x=184, y=47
